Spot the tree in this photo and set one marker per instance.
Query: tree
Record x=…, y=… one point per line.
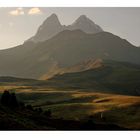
x=29, y=107
x=48, y=113
x=13, y=102
x=5, y=98
x=9, y=100
x=40, y=110
x=21, y=104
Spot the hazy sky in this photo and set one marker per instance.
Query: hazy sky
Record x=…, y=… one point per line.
x=19, y=24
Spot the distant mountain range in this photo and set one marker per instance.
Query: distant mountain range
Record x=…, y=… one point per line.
x=58, y=49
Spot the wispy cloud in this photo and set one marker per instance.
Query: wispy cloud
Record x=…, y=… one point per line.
x=22, y=11
x=17, y=12
x=34, y=11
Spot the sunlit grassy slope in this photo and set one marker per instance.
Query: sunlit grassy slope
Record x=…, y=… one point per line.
x=112, y=76
x=122, y=110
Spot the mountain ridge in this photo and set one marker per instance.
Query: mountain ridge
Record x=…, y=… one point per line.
x=52, y=26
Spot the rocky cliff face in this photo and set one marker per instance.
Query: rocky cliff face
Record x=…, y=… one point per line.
x=52, y=26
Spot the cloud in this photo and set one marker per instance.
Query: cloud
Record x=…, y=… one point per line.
x=34, y=11
x=17, y=12
x=22, y=11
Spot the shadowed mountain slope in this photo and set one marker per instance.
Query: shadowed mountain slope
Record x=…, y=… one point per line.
x=68, y=48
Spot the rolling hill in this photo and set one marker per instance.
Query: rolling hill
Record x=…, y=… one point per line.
x=108, y=77
x=105, y=76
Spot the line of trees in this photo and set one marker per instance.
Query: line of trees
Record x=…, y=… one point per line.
x=9, y=100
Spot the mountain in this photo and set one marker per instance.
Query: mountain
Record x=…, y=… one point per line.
x=51, y=26
x=64, y=50
x=85, y=24
x=60, y=49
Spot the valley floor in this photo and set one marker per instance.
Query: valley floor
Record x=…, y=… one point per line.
x=108, y=108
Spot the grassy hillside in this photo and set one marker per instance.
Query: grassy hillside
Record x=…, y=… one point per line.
x=112, y=76
x=25, y=117
x=121, y=110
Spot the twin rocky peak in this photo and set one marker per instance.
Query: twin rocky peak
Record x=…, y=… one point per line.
x=58, y=49
x=52, y=26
